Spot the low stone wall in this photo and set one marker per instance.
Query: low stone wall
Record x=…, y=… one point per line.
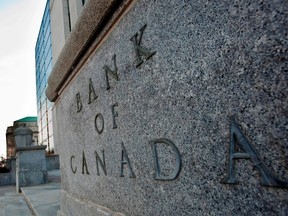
x=31, y=166
x=5, y=179
x=11, y=165
x=52, y=162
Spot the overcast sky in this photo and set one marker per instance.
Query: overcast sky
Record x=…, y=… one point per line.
x=20, y=21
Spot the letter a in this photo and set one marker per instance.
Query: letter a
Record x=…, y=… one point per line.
x=91, y=91
x=127, y=161
x=267, y=178
x=84, y=164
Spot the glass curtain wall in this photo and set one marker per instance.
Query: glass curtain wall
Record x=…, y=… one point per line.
x=43, y=61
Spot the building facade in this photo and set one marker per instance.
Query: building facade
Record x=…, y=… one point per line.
x=64, y=14
x=31, y=123
x=173, y=109
x=58, y=20
x=43, y=61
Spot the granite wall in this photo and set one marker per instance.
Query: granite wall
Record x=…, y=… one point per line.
x=174, y=108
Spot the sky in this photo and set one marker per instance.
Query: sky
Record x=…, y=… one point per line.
x=20, y=22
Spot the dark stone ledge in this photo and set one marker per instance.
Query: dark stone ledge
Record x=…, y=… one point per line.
x=29, y=148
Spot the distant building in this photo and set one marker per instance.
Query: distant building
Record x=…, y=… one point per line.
x=30, y=122
x=58, y=20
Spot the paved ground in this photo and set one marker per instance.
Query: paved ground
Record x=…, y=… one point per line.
x=14, y=204
x=41, y=200
x=6, y=189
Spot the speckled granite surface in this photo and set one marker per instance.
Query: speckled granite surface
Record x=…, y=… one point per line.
x=214, y=61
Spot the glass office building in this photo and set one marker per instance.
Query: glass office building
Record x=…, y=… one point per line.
x=43, y=64
x=58, y=18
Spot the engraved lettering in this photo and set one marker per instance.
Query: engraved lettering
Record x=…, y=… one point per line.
x=114, y=114
x=102, y=162
x=91, y=91
x=177, y=166
x=237, y=137
x=79, y=103
x=114, y=73
x=74, y=170
x=97, y=124
x=125, y=161
x=140, y=49
x=84, y=164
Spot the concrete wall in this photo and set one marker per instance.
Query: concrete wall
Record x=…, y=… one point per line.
x=31, y=166
x=52, y=162
x=5, y=179
x=11, y=165
x=64, y=14
x=75, y=9
x=59, y=26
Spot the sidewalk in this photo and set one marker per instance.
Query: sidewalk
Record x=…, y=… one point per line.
x=40, y=200
x=44, y=200
x=6, y=189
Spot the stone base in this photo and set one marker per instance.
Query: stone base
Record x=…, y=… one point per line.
x=32, y=177
x=70, y=205
x=30, y=166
